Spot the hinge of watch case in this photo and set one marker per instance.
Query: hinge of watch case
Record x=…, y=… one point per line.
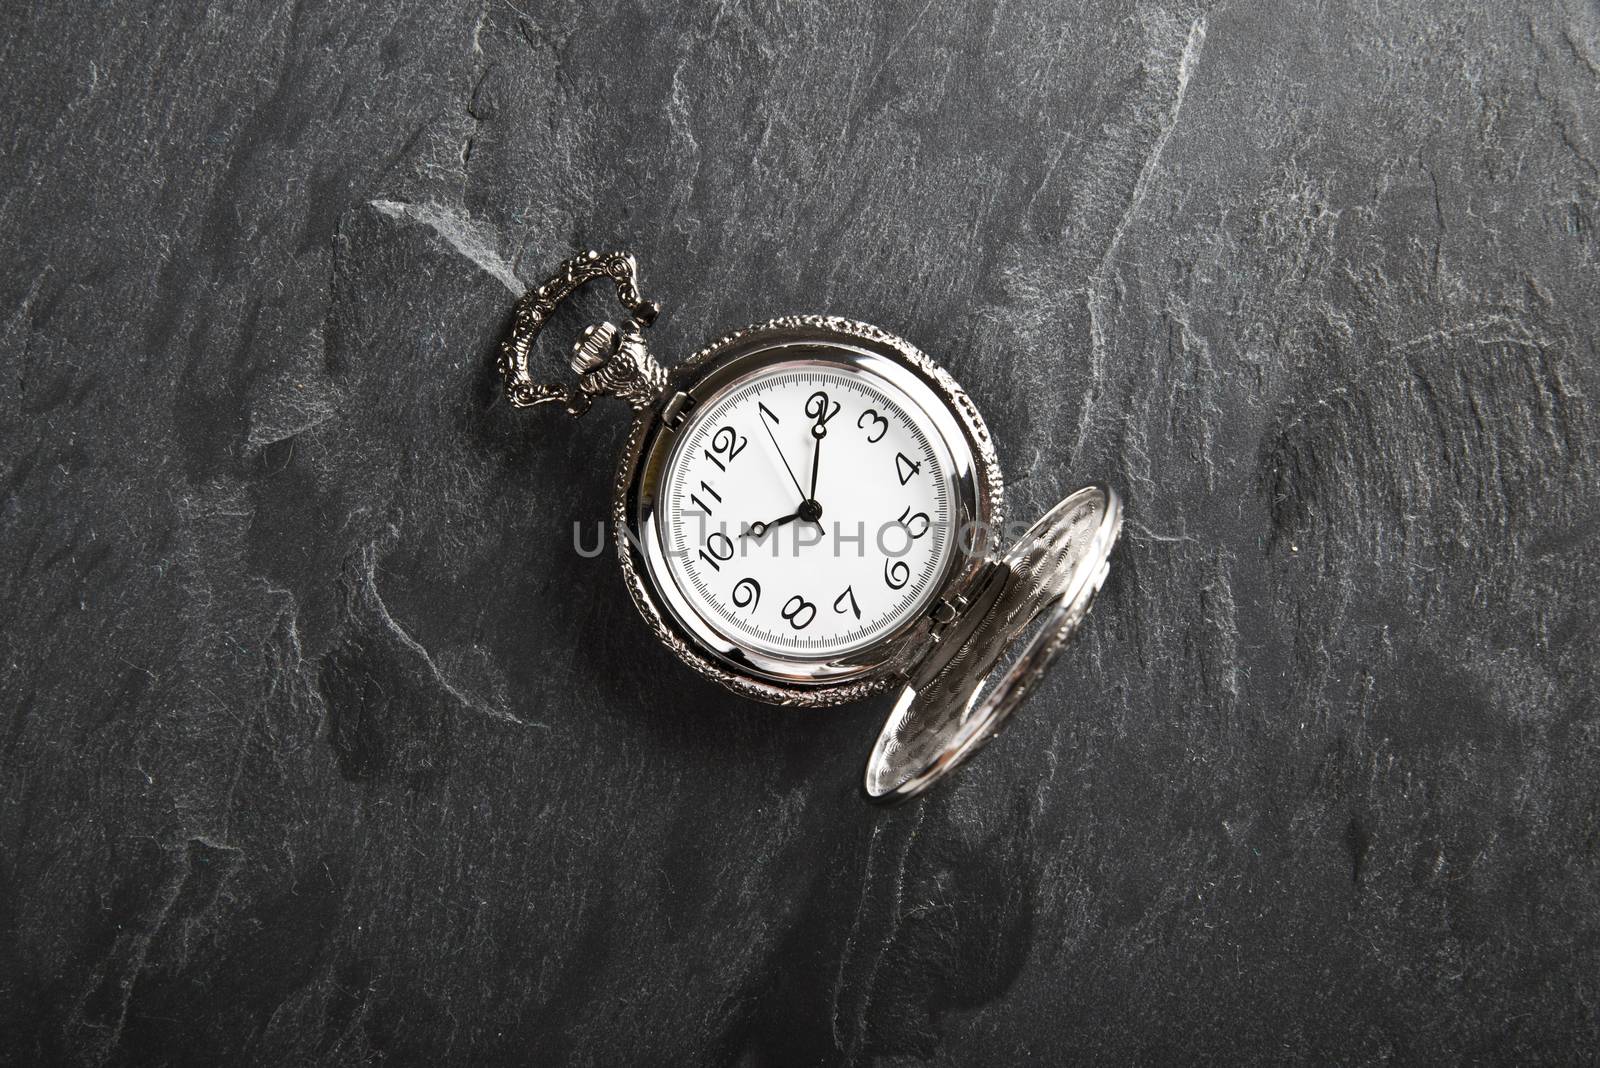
x=946, y=610
x=676, y=409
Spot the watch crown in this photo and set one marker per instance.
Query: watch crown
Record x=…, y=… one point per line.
x=597, y=344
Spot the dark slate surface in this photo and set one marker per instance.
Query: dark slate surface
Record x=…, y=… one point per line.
x=320, y=745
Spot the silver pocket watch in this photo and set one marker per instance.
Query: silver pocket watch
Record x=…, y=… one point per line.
x=809, y=511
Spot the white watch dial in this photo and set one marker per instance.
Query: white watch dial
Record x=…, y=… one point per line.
x=808, y=510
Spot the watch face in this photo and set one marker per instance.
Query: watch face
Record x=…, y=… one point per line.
x=808, y=509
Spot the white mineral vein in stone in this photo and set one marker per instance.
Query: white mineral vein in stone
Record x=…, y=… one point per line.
x=469, y=237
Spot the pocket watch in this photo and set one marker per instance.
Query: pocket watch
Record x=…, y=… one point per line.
x=809, y=511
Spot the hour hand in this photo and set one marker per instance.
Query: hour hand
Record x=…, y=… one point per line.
x=759, y=530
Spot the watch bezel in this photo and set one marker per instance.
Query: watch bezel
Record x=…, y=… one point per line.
x=711, y=371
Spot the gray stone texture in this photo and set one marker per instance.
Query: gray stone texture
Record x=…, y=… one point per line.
x=318, y=744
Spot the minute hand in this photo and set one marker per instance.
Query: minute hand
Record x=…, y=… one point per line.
x=816, y=460
x=782, y=457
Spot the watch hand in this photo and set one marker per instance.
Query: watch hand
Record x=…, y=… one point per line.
x=781, y=456
x=816, y=458
x=759, y=530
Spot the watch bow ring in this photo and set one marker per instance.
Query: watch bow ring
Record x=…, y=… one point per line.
x=809, y=511
x=609, y=358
